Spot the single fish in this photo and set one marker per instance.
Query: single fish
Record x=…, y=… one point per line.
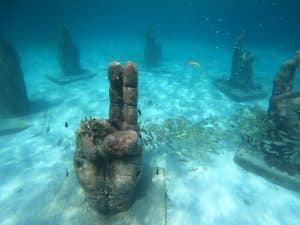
x=193, y=63
x=48, y=129
x=66, y=124
x=139, y=112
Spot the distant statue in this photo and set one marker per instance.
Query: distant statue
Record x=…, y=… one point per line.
x=284, y=108
x=241, y=67
x=152, y=50
x=13, y=94
x=240, y=85
x=68, y=55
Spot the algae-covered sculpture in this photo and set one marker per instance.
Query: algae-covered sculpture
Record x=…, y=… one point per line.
x=108, y=155
x=13, y=94
x=240, y=85
x=68, y=56
x=152, y=50
x=275, y=148
x=284, y=112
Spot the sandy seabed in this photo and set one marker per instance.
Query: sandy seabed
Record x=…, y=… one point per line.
x=33, y=163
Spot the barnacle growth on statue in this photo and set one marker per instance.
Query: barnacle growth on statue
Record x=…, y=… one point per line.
x=272, y=139
x=13, y=94
x=240, y=85
x=108, y=154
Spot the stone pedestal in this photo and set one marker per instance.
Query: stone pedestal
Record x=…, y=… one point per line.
x=150, y=206
x=108, y=155
x=13, y=94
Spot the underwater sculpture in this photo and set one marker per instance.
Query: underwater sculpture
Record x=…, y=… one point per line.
x=284, y=112
x=108, y=155
x=284, y=108
x=13, y=94
x=240, y=85
x=152, y=50
x=275, y=147
x=68, y=56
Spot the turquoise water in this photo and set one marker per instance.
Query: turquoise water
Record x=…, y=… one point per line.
x=34, y=188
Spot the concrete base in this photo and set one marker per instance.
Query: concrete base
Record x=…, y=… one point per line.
x=237, y=94
x=69, y=205
x=11, y=126
x=253, y=161
x=61, y=79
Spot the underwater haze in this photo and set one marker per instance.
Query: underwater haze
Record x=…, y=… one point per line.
x=191, y=123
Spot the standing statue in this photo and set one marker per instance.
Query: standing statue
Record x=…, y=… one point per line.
x=108, y=154
x=13, y=94
x=241, y=67
x=152, y=50
x=240, y=85
x=68, y=56
x=284, y=112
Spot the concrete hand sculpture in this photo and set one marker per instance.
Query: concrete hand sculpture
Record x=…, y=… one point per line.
x=284, y=108
x=108, y=155
x=284, y=112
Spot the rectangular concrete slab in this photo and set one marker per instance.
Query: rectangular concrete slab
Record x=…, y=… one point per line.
x=68, y=205
x=237, y=94
x=11, y=126
x=253, y=161
x=60, y=79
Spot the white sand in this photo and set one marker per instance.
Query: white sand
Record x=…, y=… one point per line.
x=33, y=189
